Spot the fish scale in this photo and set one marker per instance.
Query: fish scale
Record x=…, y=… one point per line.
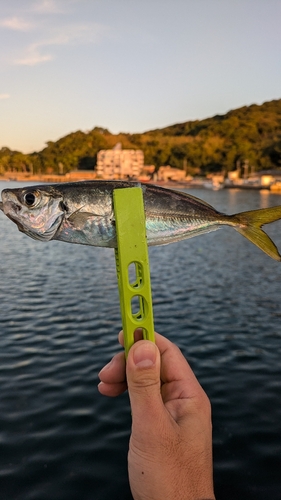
x=82, y=213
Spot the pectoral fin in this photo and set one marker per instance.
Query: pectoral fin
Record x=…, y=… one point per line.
x=80, y=218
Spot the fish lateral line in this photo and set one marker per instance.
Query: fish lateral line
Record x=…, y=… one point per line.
x=170, y=215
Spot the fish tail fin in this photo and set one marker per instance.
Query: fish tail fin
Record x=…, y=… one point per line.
x=249, y=224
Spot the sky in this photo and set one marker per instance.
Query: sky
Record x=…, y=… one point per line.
x=131, y=65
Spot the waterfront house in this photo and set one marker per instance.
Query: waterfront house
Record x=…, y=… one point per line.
x=118, y=163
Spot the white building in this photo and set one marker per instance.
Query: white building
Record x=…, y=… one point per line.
x=118, y=163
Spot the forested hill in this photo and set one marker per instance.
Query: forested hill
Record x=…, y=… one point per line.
x=250, y=133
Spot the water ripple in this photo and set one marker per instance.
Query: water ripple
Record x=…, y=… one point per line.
x=217, y=297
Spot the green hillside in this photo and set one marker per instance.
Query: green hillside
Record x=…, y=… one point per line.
x=250, y=133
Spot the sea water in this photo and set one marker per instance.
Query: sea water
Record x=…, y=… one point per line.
x=216, y=296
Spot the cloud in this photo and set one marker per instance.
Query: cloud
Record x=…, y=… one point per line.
x=75, y=34
x=47, y=7
x=4, y=96
x=64, y=35
x=42, y=35
x=15, y=23
x=33, y=57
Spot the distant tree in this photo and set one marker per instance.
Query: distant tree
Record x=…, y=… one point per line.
x=87, y=163
x=250, y=133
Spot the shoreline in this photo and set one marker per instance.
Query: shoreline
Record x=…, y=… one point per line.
x=89, y=176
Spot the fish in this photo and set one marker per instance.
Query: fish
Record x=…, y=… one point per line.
x=83, y=213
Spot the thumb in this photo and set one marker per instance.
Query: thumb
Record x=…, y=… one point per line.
x=143, y=379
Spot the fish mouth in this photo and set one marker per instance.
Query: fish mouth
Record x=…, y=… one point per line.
x=11, y=209
x=9, y=203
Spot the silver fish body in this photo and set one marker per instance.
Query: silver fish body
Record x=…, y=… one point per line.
x=83, y=213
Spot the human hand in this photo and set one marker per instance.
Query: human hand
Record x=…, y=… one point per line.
x=170, y=451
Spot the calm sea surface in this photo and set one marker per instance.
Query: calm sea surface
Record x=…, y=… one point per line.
x=216, y=296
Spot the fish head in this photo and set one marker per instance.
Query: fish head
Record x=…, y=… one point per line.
x=38, y=212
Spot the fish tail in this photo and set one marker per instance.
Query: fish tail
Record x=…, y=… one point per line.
x=249, y=224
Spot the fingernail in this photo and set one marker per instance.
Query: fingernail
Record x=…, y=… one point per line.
x=145, y=354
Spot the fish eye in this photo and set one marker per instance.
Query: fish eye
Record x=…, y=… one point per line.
x=29, y=199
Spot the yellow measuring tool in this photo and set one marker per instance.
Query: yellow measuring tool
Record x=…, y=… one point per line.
x=132, y=265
